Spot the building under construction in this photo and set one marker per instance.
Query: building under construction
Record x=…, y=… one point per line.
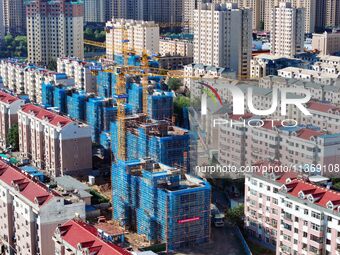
x=159, y=140
x=97, y=112
x=161, y=203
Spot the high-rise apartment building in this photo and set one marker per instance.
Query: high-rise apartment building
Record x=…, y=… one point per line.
x=98, y=10
x=269, y=6
x=255, y=5
x=54, y=29
x=309, y=7
x=320, y=15
x=223, y=36
x=14, y=16
x=160, y=11
x=332, y=13
x=2, y=21
x=140, y=34
x=287, y=30
x=188, y=13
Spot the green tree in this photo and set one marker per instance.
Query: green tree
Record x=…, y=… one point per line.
x=8, y=39
x=13, y=47
x=180, y=102
x=13, y=137
x=236, y=215
x=174, y=84
x=52, y=65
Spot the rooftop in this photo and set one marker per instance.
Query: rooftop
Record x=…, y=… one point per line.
x=294, y=185
x=51, y=117
x=323, y=107
x=80, y=234
x=7, y=98
x=30, y=188
x=70, y=184
x=309, y=72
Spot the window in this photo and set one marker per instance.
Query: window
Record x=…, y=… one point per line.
x=289, y=204
x=316, y=215
x=315, y=227
x=287, y=226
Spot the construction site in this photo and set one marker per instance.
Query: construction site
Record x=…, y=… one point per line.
x=161, y=203
x=131, y=117
x=159, y=140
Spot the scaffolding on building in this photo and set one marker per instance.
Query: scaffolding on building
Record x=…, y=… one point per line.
x=157, y=201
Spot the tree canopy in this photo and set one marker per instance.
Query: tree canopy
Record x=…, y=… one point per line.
x=236, y=215
x=174, y=84
x=94, y=35
x=13, y=137
x=13, y=46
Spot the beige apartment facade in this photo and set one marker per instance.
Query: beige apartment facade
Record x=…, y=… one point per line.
x=54, y=29
x=326, y=43
x=80, y=71
x=287, y=30
x=9, y=107
x=176, y=47
x=141, y=35
x=46, y=139
x=223, y=37
x=30, y=212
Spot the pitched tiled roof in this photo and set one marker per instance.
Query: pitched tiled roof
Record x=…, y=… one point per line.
x=52, y=117
x=7, y=98
x=76, y=232
x=295, y=186
x=238, y=117
x=31, y=189
x=270, y=124
x=322, y=107
x=307, y=134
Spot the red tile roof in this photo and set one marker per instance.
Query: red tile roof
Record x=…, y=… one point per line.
x=238, y=117
x=270, y=124
x=307, y=134
x=43, y=114
x=76, y=232
x=31, y=189
x=320, y=194
x=322, y=107
x=7, y=98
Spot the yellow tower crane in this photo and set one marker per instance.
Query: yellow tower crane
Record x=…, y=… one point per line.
x=145, y=80
x=121, y=99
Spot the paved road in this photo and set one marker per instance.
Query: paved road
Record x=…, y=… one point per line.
x=224, y=242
